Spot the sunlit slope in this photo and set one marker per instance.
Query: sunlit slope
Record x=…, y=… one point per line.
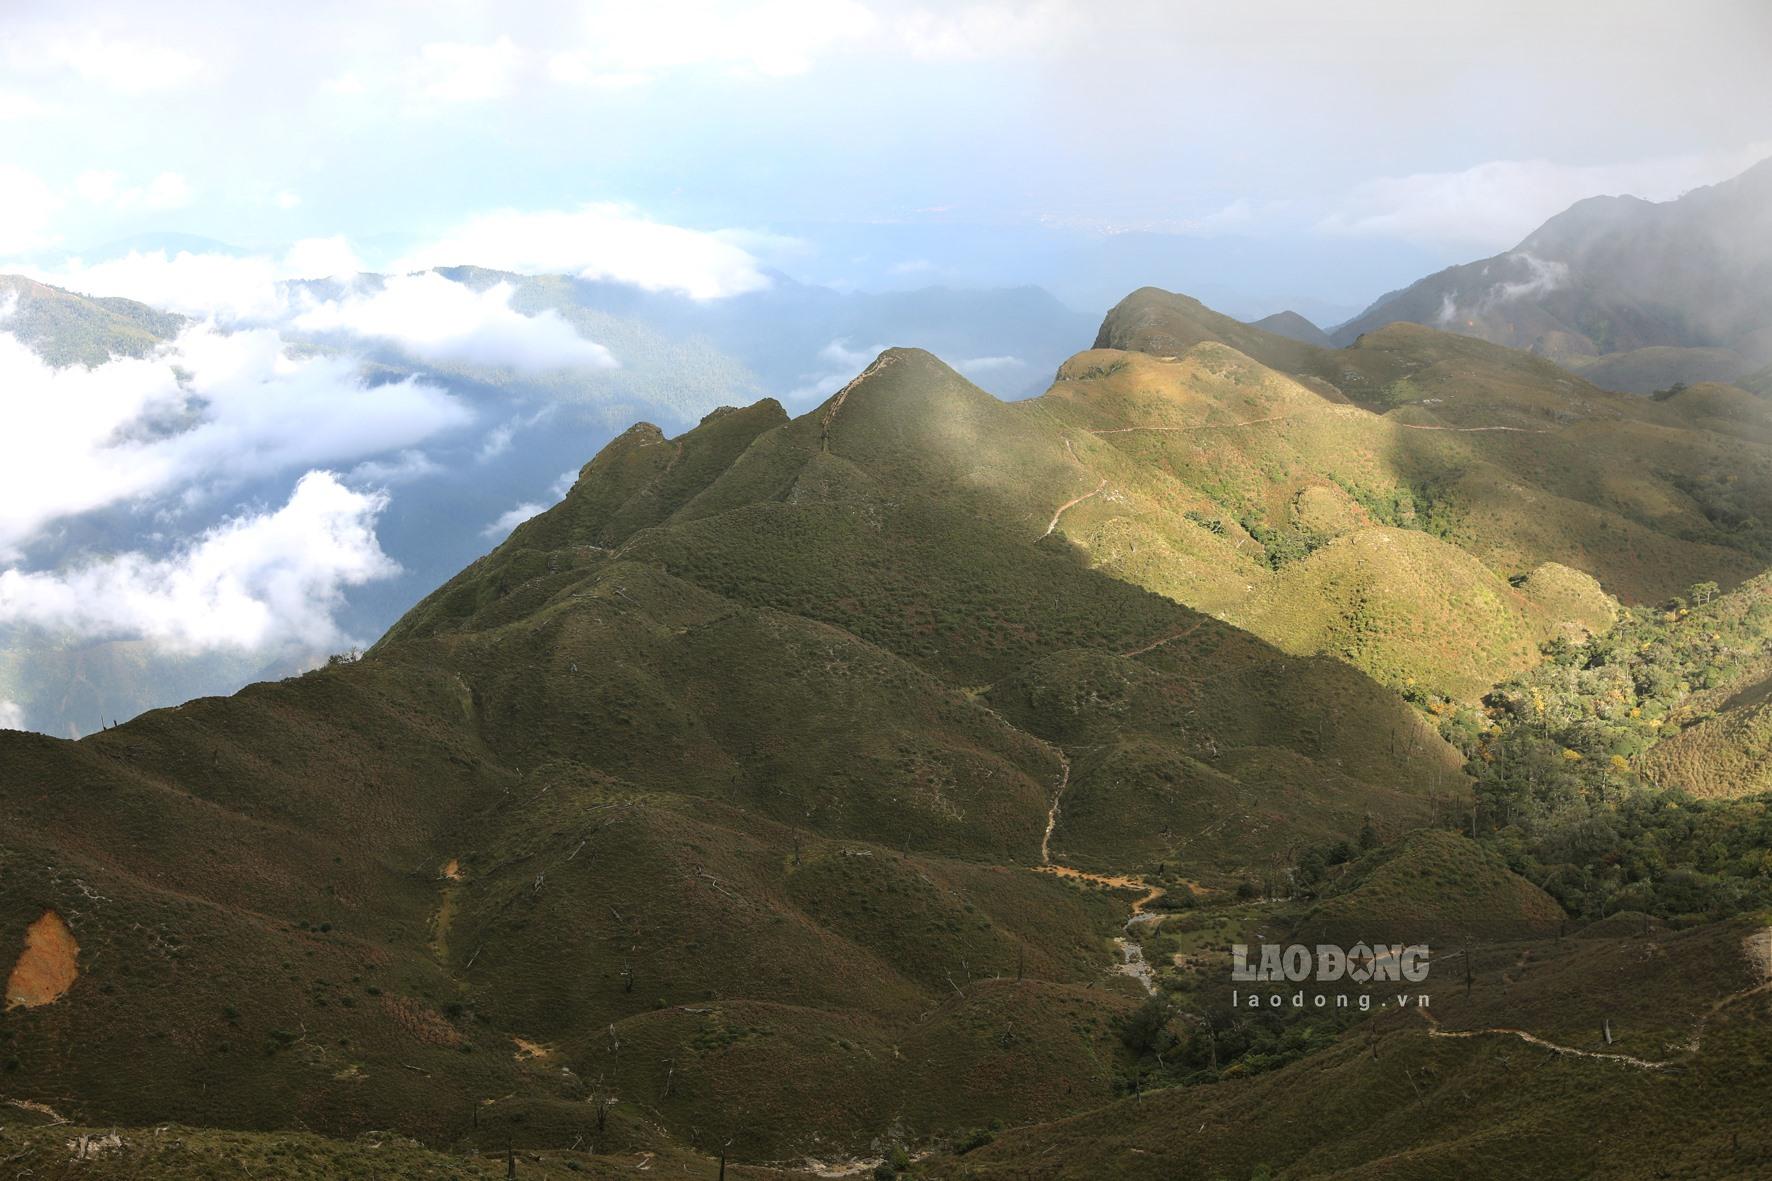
x=1243, y=490
x=719, y=787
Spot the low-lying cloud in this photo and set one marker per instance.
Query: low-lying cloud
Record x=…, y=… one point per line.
x=209, y=408
x=435, y=319
x=1532, y=277
x=598, y=241
x=1493, y=205
x=257, y=582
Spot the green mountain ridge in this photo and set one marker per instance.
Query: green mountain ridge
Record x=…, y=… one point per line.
x=812, y=788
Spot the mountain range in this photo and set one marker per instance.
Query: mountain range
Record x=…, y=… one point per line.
x=878, y=787
x=514, y=431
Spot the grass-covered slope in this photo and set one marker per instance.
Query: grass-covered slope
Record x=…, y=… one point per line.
x=783, y=789
x=1677, y=1093
x=718, y=789
x=1473, y=502
x=69, y=329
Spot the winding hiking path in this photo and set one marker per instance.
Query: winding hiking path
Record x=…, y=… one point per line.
x=1068, y=505
x=1183, y=634
x=1756, y=955
x=1434, y=1030
x=830, y=416
x=1524, y=430
x=1131, y=962
x=1207, y=426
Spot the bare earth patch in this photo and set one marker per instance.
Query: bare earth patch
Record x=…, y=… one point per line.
x=46, y=968
x=527, y=1050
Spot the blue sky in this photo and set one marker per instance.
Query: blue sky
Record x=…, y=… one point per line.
x=845, y=141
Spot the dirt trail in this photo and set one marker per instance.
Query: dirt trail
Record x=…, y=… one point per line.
x=47, y=967
x=1410, y=426
x=440, y=924
x=1064, y=781
x=1131, y=960
x=830, y=416
x=1434, y=1030
x=1183, y=634
x=1758, y=949
x=1208, y=426
x=1523, y=430
x=1068, y=505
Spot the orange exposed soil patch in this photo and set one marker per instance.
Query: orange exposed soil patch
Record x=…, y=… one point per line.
x=452, y=870
x=46, y=968
x=527, y=1049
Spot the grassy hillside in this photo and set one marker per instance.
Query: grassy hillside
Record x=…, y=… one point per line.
x=1403, y=1096
x=1403, y=532
x=69, y=329
x=834, y=787
x=707, y=790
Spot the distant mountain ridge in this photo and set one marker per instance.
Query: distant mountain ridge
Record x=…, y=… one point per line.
x=1633, y=294
x=1294, y=327
x=68, y=329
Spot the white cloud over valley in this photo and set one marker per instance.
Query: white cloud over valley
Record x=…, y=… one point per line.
x=435, y=319
x=261, y=581
x=210, y=408
x=598, y=241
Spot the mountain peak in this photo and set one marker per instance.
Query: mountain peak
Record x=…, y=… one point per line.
x=1294, y=327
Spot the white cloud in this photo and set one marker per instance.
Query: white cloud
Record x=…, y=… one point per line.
x=971, y=31
x=14, y=105
x=210, y=407
x=224, y=286
x=227, y=288
x=407, y=466
x=1495, y=204
x=839, y=363
x=11, y=716
x=631, y=44
x=132, y=67
x=26, y=206
x=436, y=319
x=624, y=44
x=322, y=258
x=256, y=582
x=511, y=518
x=287, y=199
x=839, y=353
x=347, y=84
x=498, y=441
x=598, y=241
x=989, y=364
x=461, y=72
x=168, y=190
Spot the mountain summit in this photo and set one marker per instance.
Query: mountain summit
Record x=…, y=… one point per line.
x=1635, y=295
